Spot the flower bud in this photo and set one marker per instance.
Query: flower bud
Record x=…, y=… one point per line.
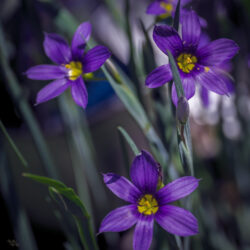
x=182, y=111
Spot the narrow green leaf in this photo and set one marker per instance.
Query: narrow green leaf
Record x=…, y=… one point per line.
x=129, y=140
x=147, y=50
x=13, y=145
x=71, y=203
x=186, y=147
x=82, y=150
x=176, y=75
x=60, y=188
x=177, y=16
x=134, y=107
x=45, y=180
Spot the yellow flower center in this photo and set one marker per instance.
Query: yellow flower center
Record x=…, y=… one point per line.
x=168, y=7
x=148, y=205
x=186, y=62
x=75, y=70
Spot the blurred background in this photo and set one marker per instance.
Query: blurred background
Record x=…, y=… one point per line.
x=80, y=145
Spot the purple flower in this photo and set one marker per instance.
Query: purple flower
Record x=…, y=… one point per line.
x=164, y=8
x=167, y=8
x=197, y=64
x=73, y=65
x=148, y=204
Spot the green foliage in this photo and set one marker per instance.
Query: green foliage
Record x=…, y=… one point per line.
x=69, y=200
x=129, y=141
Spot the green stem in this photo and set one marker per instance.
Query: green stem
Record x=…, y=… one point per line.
x=132, y=63
x=76, y=122
x=13, y=145
x=89, y=242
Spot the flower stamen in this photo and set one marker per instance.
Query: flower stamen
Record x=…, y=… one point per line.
x=75, y=70
x=186, y=62
x=148, y=205
x=168, y=7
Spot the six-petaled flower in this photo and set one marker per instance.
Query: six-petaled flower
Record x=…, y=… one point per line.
x=148, y=203
x=74, y=66
x=197, y=64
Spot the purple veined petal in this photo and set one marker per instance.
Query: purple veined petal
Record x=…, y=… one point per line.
x=144, y=173
x=176, y=220
x=191, y=30
x=226, y=66
x=204, y=40
x=217, y=52
x=52, y=90
x=167, y=38
x=227, y=78
x=79, y=40
x=79, y=92
x=159, y=76
x=46, y=72
x=214, y=80
x=204, y=97
x=120, y=219
x=177, y=189
x=56, y=48
x=188, y=84
x=155, y=8
x=122, y=187
x=95, y=58
x=143, y=234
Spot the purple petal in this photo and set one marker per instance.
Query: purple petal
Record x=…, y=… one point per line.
x=177, y=220
x=57, y=49
x=80, y=38
x=214, y=80
x=217, y=52
x=122, y=187
x=79, y=92
x=159, y=76
x=227, y=78
x=191, y=30
x=46, y=72
x=204, y=40
x=95, y=58
x=52, y=90
x=203, y=22
x=155, y=9
x=143, y=233
x=144, y=172
x=167, y=38
x=120, y=219
x=188, y=84
x=177, y=189
x=204, y=96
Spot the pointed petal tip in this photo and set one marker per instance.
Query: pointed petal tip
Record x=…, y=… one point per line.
x=119, y=219
x=159, y=76
x=177, y=220
x=144, y=172
x=107, y=176
x=95, y=58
